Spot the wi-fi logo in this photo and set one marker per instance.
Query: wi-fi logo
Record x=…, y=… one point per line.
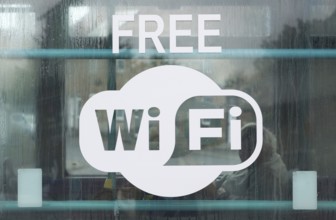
x=144, y=123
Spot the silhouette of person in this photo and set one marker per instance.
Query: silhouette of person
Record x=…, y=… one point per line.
x=266, y=179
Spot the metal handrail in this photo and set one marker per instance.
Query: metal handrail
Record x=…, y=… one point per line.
x=153, y=54
x=163, y=205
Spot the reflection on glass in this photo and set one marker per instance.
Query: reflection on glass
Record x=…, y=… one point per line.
x=83, y=80
x=86, y=21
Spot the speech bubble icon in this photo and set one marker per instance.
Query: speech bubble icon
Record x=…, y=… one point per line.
x=164, y=88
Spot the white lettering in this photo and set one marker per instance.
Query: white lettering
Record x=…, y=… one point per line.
x=196, y=132
x=202, y=32
x=117, y=20
x=174, y=33
x=143, y=34
x=235, y=128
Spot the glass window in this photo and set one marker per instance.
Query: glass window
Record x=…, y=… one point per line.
x=57, y=56
x=18, y=88
x=88, y=21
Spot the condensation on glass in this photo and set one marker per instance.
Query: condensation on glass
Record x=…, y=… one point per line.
x=18, y=83
x=41, y=99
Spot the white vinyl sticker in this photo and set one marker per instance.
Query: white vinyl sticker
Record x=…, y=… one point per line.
x=305, y=190
x=29, y=187
x=156, y=96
